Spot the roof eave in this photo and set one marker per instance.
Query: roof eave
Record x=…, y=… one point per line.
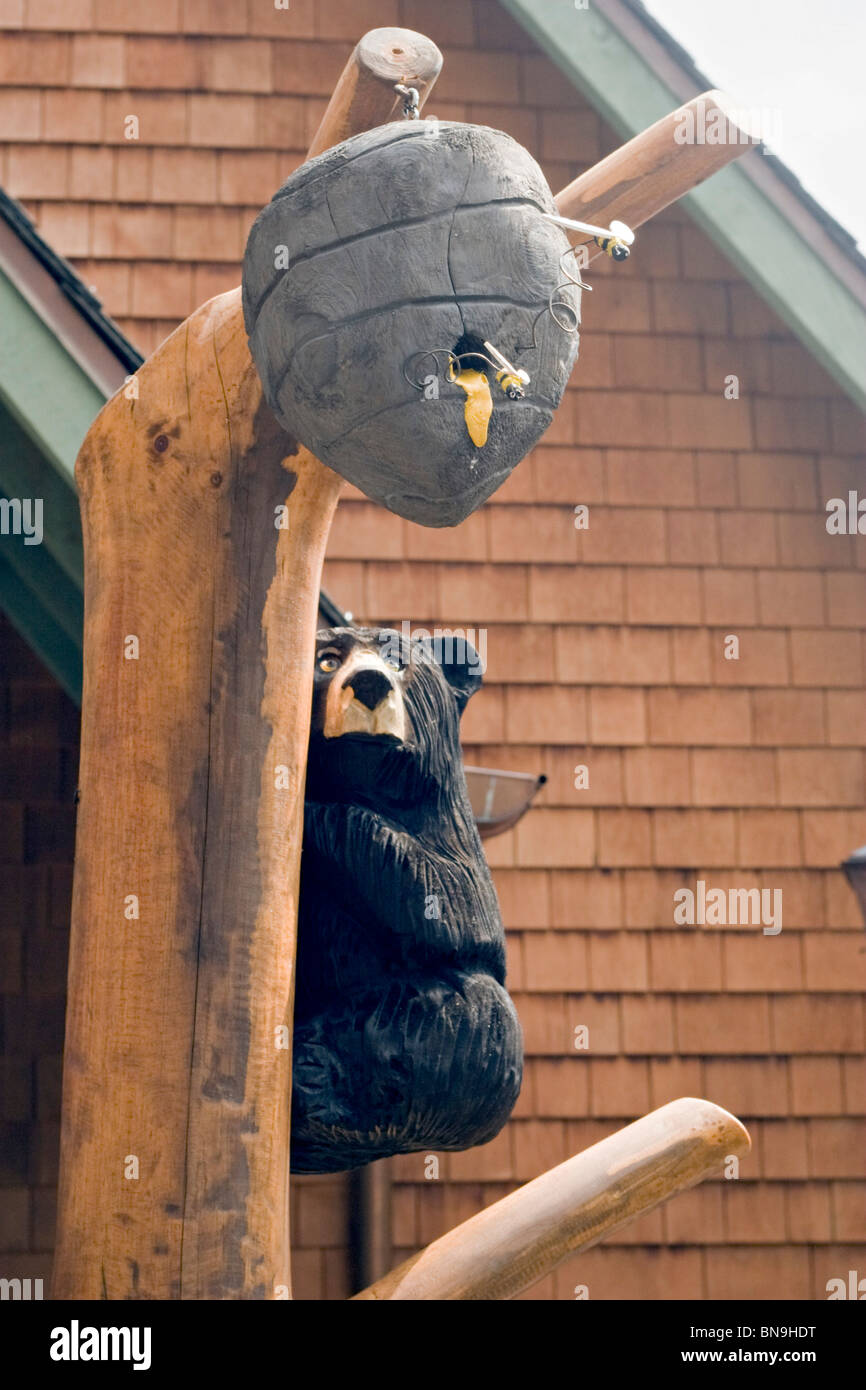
x=813, y=279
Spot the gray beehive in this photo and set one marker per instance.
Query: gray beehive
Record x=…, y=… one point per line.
x=406, y=239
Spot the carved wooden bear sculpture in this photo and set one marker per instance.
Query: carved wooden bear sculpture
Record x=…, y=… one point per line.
x=405, y=1038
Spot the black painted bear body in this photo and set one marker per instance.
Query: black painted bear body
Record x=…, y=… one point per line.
x=404, y=1036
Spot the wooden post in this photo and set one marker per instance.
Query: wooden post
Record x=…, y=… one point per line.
x=509, y=1246
x=204, y=532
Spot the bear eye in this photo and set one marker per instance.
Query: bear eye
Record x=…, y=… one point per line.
x=328, y=663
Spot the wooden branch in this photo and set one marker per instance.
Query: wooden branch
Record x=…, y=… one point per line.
x=364, y=96
x=511, y=1245
x=200, y=614
x=650, y=172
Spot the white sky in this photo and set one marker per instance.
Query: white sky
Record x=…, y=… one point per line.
x=805, y=58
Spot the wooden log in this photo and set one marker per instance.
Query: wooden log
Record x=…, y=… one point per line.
x=511, y=1245
x=651, y=171
x=364, y=96
x=200, y=615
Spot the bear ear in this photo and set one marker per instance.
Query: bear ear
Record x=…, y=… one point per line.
x=463, y=672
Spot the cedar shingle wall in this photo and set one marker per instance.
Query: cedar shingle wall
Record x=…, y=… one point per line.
x=605, y=646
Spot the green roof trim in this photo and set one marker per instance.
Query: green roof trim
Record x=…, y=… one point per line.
x=60, y=357
x=733, y=211
x=25, y=472
x=48, y=637
x=60, y=596
x=41, y=384
x=47, y=404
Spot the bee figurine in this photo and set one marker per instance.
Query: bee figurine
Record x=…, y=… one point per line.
x=615, y=241
x=513, y=381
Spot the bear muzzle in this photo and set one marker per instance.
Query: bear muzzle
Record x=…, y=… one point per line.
x=366, y=701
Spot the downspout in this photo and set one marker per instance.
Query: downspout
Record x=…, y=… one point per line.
x=370, y=1248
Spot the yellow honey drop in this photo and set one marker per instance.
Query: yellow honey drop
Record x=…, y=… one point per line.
x=479, y=404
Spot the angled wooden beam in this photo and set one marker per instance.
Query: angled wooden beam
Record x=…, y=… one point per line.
x=656, y=167
x=509, y=1246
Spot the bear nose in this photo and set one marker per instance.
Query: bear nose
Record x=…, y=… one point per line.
x=370, y=687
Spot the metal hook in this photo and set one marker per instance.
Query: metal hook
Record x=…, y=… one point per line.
x=422, y=353
x=411, y=101
x=557, y=307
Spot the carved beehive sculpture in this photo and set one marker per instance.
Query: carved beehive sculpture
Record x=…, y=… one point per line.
x=375, y=261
